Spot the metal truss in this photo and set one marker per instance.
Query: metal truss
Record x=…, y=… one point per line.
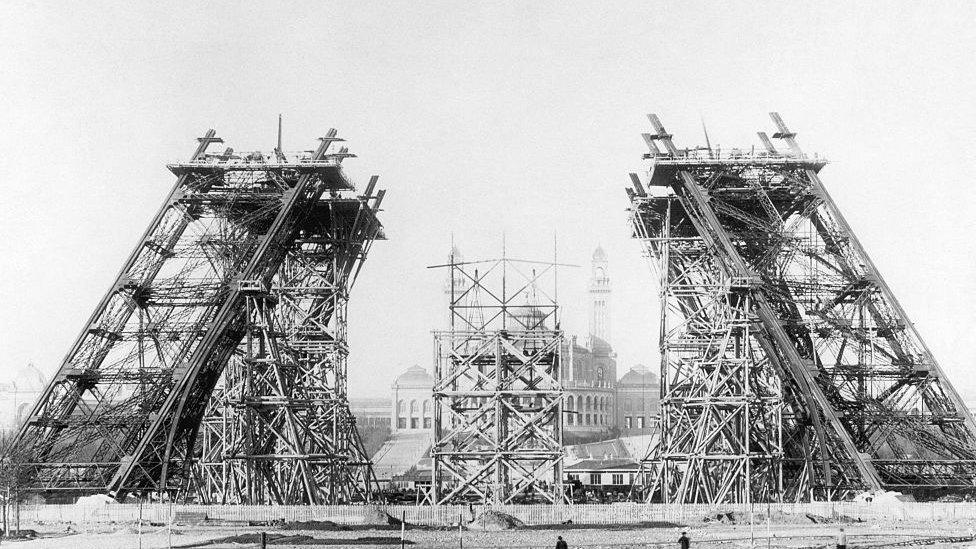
x=279, y=430
x=498, y=399
x=789, y=370
x=123, y=412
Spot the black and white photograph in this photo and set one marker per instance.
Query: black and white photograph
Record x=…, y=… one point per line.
x=487, y=275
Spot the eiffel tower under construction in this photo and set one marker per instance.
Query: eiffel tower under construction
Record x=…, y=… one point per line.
x=214, y=368
x=789, y=370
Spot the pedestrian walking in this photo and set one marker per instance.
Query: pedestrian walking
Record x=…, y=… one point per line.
x=684, y=542
x=561, y=543
x=841, y=539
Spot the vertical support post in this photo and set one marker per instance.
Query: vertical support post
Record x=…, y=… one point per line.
x=497, y=375
x=140, y=523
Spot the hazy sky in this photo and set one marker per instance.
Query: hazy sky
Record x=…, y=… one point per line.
x=481, y=119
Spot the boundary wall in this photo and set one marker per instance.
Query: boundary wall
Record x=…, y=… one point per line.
x=616, y=513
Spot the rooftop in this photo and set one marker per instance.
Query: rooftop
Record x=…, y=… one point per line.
x=415, y=376
x=639, y=375
x=602, y=464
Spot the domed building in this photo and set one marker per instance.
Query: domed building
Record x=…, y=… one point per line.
x=413, y=404
x=638, y=401
x=411, y=426
x=18, y=395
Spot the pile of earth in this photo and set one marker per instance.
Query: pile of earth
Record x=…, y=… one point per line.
x=493, y=521
x=21, y=534
x=833, y=519
x=377, y=517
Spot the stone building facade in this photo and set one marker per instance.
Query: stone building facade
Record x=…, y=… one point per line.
x=638, y=401
x=413, y=401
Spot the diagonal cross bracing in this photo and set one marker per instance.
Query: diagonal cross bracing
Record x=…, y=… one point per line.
x=280, y=430
x=497, y=391
x=759, y=271
x=123, y=412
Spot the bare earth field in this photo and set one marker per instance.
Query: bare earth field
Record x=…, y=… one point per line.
x=703, y=534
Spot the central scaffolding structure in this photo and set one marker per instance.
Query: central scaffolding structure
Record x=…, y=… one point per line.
x=498, y=398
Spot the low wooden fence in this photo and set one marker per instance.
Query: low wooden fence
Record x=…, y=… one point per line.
x=617, y=513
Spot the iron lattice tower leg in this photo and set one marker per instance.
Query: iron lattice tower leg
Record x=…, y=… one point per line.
x=498, y=398
x=123, y=412
x=789, y=370
x=280, y=430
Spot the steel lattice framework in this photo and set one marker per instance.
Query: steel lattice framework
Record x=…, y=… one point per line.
x=789, y=370
x=248, y=263
x=498, y=398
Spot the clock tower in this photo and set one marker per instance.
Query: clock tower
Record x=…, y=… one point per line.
x=599, y=296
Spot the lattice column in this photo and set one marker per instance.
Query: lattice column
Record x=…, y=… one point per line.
x=124, y=411
x=759, y=268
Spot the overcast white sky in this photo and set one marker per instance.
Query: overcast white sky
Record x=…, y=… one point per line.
x=522, y=118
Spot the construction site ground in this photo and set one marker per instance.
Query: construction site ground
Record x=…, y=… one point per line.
x=710, y=533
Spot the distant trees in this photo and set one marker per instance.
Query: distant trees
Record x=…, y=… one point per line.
x=14, y=478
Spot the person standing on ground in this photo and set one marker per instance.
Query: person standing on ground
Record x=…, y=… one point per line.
x=841, y=539
x=560, y=543
x=684, y=542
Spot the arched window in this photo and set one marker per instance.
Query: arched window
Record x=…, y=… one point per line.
x=569, y=403
x=589, y=404
x=401, y=421
x=401, y=407
x=427, y=414
x=414, y=420
x=413, y=407
x=579, y=403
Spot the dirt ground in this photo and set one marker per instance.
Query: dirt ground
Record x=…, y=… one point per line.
x=703, y=534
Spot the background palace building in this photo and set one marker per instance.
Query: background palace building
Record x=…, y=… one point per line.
x=608, y=421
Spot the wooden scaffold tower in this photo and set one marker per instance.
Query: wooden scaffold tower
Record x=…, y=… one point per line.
x=498, y=399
